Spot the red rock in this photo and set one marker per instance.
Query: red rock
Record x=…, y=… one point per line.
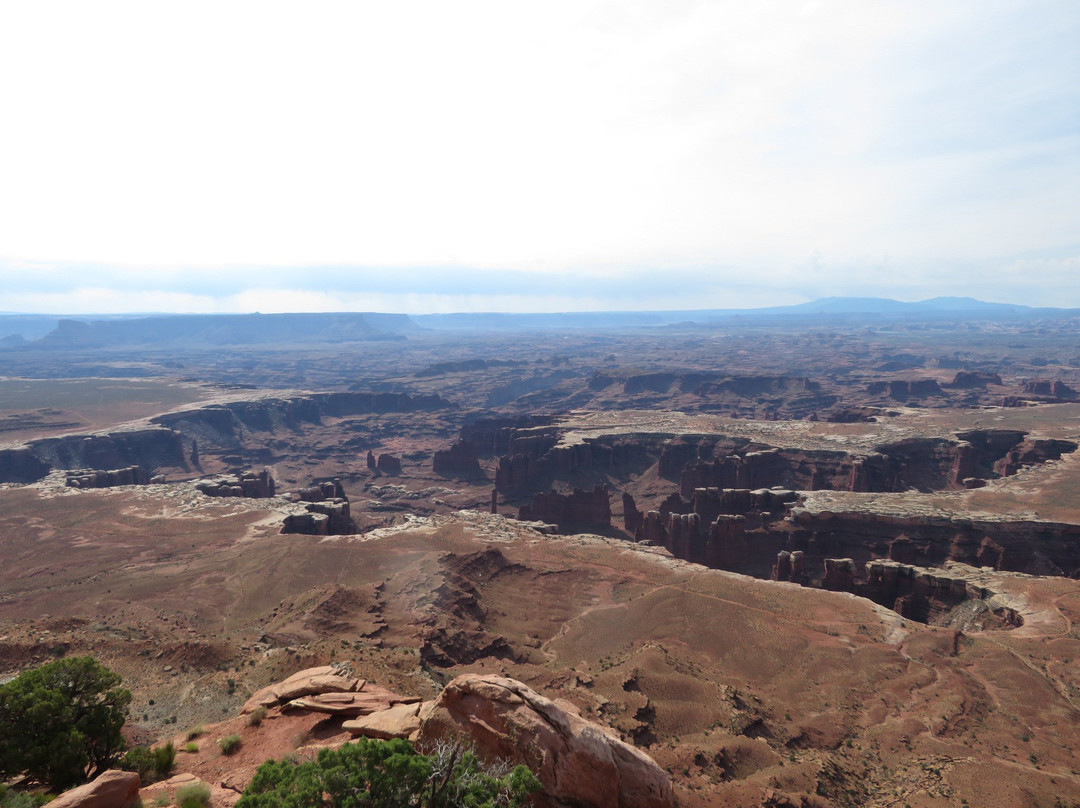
x=111, y=789
x=577, y=761
x=399, y=721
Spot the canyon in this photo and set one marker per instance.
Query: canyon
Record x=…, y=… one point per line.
x=796, y=562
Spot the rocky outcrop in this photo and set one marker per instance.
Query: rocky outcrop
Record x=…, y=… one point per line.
x=790, y=566
x=252, y=484
x=577, y=508
x=577, y=762
x=632, y=517
x=535, y=455
x=367, y=698
x=458, y=462
x=308, y=682
x=398, y=721
x=973, y=380
x=322, y=491
x=149, y=448
x=1049, y=389
x=88, y=478
x=902, y=390
x=21, y=466
x=389, y=465
x=331, y=517
x=111, y=789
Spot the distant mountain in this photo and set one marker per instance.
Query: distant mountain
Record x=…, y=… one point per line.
x=193, y=330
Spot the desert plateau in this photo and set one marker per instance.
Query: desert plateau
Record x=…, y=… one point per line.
x=813, y=559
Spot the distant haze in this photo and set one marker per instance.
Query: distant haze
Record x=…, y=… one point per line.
x=559, y=156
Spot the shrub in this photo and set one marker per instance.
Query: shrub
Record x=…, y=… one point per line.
x=388, y=774
x=229, y=744
x=62, y=722
x=14, y=799
x=191, y=746
x=151, y=764
x=198, y=732
x=196, y=795
x=256, y=716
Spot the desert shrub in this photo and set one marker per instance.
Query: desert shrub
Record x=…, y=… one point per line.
x=162, y=799
x=191, y=746
x=151, y=764
x=256, y=716
x=388, y=774
x=198, y=732
x=229, y=744
x=196, y=795
x=17, y=799
x=61, y=723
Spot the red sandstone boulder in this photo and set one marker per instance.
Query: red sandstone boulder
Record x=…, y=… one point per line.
x=309, y=682
x=399, y=721
x=577, y=761
x=111, y=789
x=370, y=699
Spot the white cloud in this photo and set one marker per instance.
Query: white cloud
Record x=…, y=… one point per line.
x=570, y=139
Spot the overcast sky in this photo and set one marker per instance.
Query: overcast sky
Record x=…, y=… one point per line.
x=465, y=156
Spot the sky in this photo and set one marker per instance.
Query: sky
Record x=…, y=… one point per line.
x=506, y=156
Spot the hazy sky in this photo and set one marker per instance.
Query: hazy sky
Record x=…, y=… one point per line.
x=460, y=156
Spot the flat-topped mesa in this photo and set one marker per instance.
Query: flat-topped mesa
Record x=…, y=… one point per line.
x=102, y=478
x=489, y=437
x=935, y=596
x=227, y=425
x=711, y=502
x=332, y=517
x=321, y=491
x=1037, y=548
x=1049, y=390
x=389, y=465
x=535, y=456
x=459, y=461
x=902, y=389
x=973, y=379
x=252, y=484
x=577, y=508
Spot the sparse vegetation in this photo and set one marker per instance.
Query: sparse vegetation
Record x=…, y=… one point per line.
x=196, y=795
x=150, y=764
x=229, y=745
x=256, y=716
x=62, y=722
x=191, y=747
x=389, y=774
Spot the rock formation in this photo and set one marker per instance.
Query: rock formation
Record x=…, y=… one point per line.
x=389, y=465
x=459, y=461
x=256, y=485
x=111, y=789
x=130, y=475
x=577, y=508
x=577, y=762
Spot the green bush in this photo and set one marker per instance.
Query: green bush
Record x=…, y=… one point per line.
x=388, y=774
x=15, y=799
x=196, y=795
x=191, y=746
x=61, y=723
x=256, y=716
x=151, y=764
x=229, y=744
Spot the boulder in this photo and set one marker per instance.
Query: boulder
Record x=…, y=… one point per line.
x=399, y=721
x=369, y=699
x=308, y=682
x=111, y=789
x=577, y=761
